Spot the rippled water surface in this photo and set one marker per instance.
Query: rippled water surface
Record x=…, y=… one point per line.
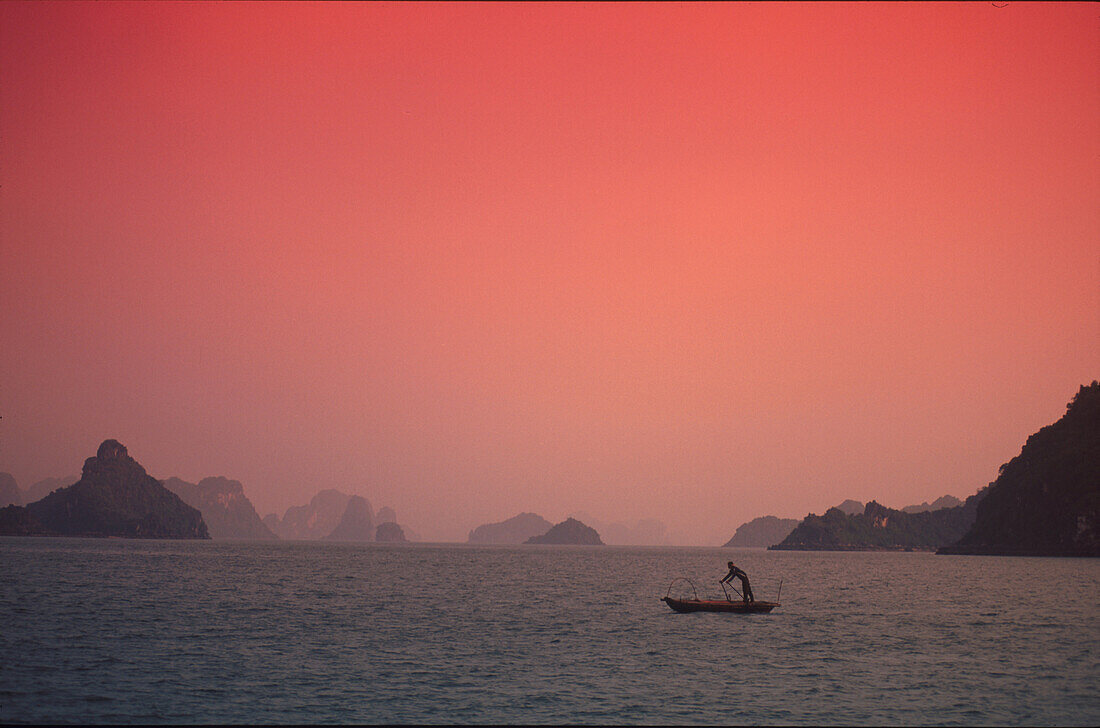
x=154, y=631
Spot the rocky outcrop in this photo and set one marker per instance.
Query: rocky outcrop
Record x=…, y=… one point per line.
x=389, y=532
x=225, y=508
x=515, y=530
x=1046, y=500
x=9, y=491
x=313, y=521
x=355, y=524
x=387, y=515
x=568, y=532
x=114, y=497
x=880, y=528
x=763, y=531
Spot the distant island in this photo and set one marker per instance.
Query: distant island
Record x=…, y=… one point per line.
x=356, y=522
x=1044, y=502
x=389, y=532
x=568, y=532
x=531, y=528
x=225, y=508
x=11, y=494
x=515, y=530
x=642, y=532
x=332, y=515
x=114, y=497
x=315, y=520
x=763, y=531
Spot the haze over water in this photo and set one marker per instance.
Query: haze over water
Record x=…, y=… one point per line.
x=141, y=631
x=690, y=262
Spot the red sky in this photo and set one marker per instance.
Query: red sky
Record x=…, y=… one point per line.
x=691, y=262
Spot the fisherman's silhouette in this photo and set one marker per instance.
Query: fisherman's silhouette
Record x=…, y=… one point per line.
x=746, y=589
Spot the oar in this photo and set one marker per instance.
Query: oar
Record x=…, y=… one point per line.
x=736, y=592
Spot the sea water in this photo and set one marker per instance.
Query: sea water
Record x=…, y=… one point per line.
x=189, y=632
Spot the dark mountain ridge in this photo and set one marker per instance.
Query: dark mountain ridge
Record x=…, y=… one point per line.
x=1046, y=500
x=879, y=528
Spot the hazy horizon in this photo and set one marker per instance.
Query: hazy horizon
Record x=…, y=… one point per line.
x=695, y=263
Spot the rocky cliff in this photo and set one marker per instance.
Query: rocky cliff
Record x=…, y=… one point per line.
x=1046, y=500
x=569, y=531
x=355, y=523
x=315, y=520
x=225, y=508
x=114, y=497
x=388, y=515
x=879, y=528
x=516, y=529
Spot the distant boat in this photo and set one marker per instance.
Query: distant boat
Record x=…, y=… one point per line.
x=719, y=605
x=715, y=605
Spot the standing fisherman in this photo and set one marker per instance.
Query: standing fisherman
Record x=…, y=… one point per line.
x=746, y=590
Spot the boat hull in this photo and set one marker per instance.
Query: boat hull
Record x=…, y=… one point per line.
x=705, y=605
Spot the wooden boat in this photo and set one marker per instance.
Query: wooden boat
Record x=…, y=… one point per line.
x=737, y=606
x=719, y=605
